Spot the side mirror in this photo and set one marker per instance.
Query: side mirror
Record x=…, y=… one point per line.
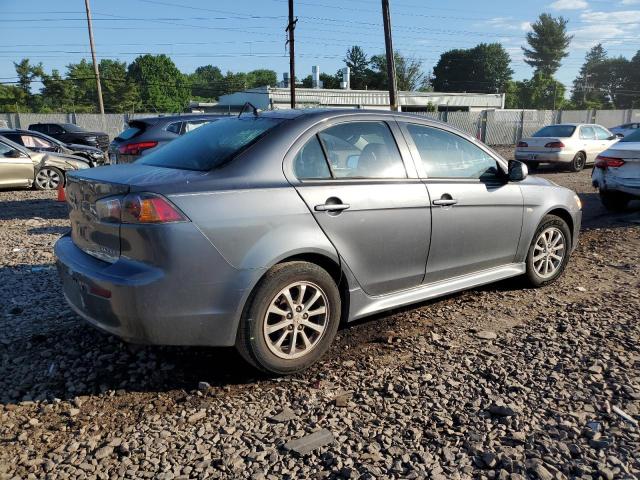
x=13, y=154
x=617, y=135
x=518, y=171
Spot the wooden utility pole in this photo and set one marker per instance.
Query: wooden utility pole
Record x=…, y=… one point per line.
x=292, y=54
x=96, y=70
x=391, y=61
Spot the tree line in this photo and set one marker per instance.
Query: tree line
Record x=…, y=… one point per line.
x=154, y=83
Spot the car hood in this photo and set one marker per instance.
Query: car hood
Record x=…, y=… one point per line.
x=82, y=148
x=90, y=134
x=60, y=160
x=537, y=181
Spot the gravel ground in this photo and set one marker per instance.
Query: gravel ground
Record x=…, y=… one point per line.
x=498, y=382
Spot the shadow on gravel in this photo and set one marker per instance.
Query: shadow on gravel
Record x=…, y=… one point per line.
x=27, y=209
x=48, y=230
x=594, y=215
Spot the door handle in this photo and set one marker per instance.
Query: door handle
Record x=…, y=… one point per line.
x=445, y=200
x=331, y=207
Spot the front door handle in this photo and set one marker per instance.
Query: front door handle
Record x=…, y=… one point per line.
x=331, y=207
x=445, y=200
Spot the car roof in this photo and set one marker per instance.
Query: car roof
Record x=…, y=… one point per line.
x=170, y=118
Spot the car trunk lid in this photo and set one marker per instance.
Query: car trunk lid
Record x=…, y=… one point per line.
x=537, y=144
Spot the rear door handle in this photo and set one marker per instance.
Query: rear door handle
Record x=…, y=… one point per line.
x=445, y=200
x=331, y=207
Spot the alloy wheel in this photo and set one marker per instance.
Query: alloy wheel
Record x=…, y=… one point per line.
x=296, y=320
x=48, y=179
x=548, y=252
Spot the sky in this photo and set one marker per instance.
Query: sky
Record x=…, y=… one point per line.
x=243, y=35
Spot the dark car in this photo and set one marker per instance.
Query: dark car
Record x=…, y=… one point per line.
x=144, y=135
x=40, y=142
x=70, y=133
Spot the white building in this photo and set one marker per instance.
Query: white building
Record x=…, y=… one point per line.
x=275, y=98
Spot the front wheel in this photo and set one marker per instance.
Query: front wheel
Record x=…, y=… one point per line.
x=578, y=162
x=48, y=178
x=291, y=318
x=549, y=251
x=614, y=201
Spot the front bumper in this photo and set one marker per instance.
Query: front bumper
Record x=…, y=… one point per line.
x=145, y=304
x=544, y=157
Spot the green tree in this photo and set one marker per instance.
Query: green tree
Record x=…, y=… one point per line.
x=409, y=73
x=484, y=68
x=57, y=93
x=548, y=44
x=634, y=80
x=358, y=64
x=27, y=73
x=262, y=78
x=585, y=93
x=612, y=79
x=540, y=92
x=13, y=99
x=163, y=88
x=207, y=82
x=119, y=93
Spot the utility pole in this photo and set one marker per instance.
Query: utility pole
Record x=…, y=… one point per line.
x=292, y=54
x=391, y=62
x=96, y=70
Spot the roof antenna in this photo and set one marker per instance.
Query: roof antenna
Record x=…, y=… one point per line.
x=251, y=106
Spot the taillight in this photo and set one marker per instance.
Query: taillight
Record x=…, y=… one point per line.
x=523, y=144
x=606, y=162
x=149, y=208
x=108, y=209
x=135, y=148
x=554, y=145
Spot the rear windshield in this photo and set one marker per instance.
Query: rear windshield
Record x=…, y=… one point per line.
x=211, y=145
x=632, y=137
x=562, y=131
x=129, y=133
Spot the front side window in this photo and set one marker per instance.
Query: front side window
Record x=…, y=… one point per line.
x=602, y=134
x=213, y=144
x=587, y=133
x=55, y=130
x=362, y=150
x=310, y=162
x=4, y=149
x=447, y=155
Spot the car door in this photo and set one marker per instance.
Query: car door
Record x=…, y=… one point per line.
x=59, y=133
x=476, y=214
x=367, y=199
x=15, y=170
x=590, y=144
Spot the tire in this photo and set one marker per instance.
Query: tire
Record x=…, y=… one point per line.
x=533, y=166
x=537, y=274
x=614, y=201
x=578, y=162
x=48, y=178
x=266, y=308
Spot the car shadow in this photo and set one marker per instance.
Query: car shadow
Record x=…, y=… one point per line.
x=46, y=208
x=594, y=215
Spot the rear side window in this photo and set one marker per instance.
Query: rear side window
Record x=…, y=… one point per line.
x=362, y=150
x=212, y=145
x=129, y=133
x=587, y=133
x=14, y=137
x=174, y=127
x=55, y=130
x=31, y=141
x=561, y=131
x=194, y=124
x=447, y=155
x=39, y=127
x=310, y=162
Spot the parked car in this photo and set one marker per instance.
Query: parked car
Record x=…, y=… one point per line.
x=568, y=144
x=70, y=133
x=626, y=129
x=21, y=167
x=244, y=233
x=617, y=173
x=39, y=142
x=145, y=135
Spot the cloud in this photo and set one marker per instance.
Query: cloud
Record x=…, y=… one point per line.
x=630, y=2
x=610, y=28
x=525, y=26
x=569, y=5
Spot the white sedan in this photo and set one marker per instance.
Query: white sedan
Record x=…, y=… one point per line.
x=570, y=144
x=617, y=173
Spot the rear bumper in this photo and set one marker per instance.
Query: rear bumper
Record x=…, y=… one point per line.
x=544, y=157
x=146, y=304
x=604, y=181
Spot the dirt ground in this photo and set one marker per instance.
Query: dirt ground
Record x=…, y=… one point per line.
x=498, y=382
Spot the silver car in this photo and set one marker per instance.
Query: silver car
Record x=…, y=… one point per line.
x=21, y=167
x=266, y=231
x=569, y=144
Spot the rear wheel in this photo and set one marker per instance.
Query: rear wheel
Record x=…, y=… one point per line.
x=48, y=178
x=578, y=162
x=549, y=251
x=533, y=165
x=291, y=318
x=614, y=201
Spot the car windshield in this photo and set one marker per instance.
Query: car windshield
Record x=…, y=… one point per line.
x=211, y=145
x=632, y=137
x=70, y=127
x=560, y=131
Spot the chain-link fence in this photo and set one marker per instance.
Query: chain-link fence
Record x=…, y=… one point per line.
x=494, y=127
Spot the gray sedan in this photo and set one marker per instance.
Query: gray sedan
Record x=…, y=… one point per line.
x=265, y=231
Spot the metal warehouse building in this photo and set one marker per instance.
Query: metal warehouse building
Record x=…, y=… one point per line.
x=275, y=98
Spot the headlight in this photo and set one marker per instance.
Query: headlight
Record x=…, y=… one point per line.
x=96, y=154
x=91, y=139
x=578, y=201
x=82, y=166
